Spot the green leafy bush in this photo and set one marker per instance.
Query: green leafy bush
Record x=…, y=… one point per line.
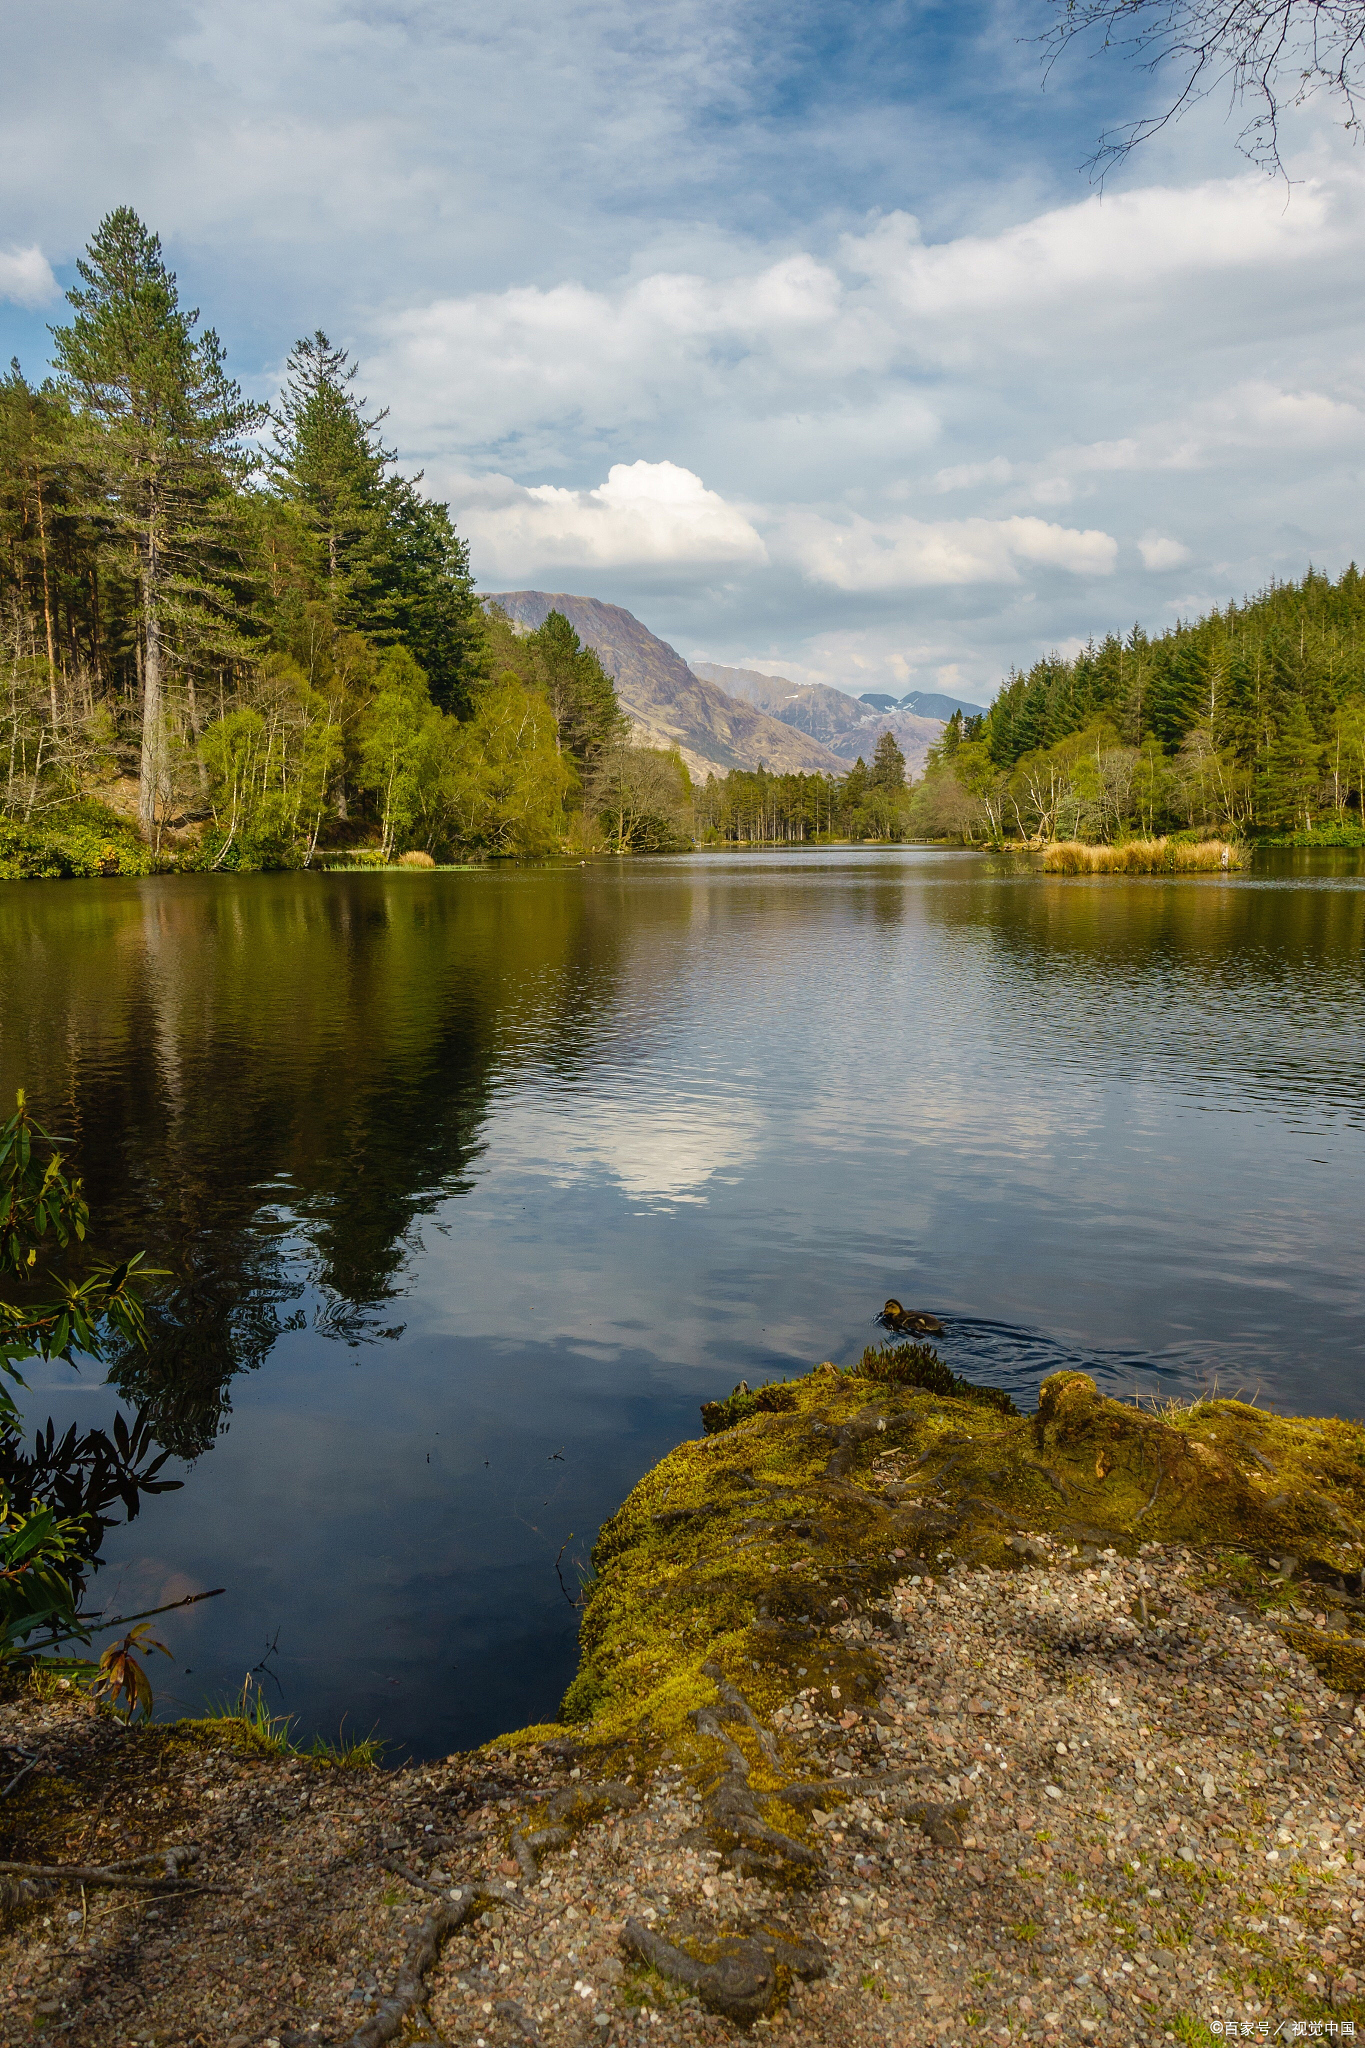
x=246, y=853
x=1335, y=834
x=919, y=1365
x=79, y=839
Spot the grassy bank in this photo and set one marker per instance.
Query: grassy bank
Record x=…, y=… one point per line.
x=1144, y=857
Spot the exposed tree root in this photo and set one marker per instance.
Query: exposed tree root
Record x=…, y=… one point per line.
x=508, y=2009
x=568, y=1810
x=30, y=1763
x=740, y=1980
x=579, y=1803
x=408, y=1999
x=123, y=1876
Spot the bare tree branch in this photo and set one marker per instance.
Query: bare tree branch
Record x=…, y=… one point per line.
x=1268, y=55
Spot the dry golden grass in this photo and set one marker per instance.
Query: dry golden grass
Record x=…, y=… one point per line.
x=1144, y=857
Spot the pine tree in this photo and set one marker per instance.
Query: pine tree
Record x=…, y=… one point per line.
x=159, y=430
x=428, y=597
x=392, y=563
x=582, y=695
x=328, y=459
x=888, y=762
x=1291, y=772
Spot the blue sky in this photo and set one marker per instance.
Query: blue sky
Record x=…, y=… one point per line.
x=798, y=329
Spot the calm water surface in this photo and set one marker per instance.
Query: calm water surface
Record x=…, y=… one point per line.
x=473, y=1186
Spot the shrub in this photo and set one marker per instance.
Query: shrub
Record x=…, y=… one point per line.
x=774, y=1399
x=247, y=853
x=79, y=839
x=919, y=1365
x=415, y=859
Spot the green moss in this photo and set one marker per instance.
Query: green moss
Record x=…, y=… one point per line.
x=741, y=1546
x=1339, y=1659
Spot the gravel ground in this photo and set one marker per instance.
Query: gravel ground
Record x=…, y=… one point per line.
x=1148, y=1811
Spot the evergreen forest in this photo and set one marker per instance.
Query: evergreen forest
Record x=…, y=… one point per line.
x=1249, y=721
x=233, y=634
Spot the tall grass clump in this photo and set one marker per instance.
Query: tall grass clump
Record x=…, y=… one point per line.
x=1144, y=857
x=247, y=1724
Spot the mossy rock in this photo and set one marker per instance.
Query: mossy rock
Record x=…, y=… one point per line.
x=738, y=1546
x=1339, y=1660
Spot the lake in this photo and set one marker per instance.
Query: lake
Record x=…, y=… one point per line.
x=473, y=1186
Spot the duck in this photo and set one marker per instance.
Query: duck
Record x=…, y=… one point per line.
x=909, y=1322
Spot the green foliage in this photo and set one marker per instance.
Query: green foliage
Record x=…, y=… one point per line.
x=222, y=641
x=248, y=1724
x=919, y=1365
x=159, y=443
x=776, y=1398
x=1253, y=716
x=43, y=1209
x=78, y=839
x=579, y=691
x=391, y=563
x=37, y=1551
x=888, y=763
x=505, y=778
x=757, y=807
x=328, y=460
x=641, y=798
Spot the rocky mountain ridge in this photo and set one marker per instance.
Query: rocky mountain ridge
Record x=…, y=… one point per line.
x=668, y=704
x=848, y=726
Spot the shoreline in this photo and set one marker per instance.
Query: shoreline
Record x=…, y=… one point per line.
x=898, y=1718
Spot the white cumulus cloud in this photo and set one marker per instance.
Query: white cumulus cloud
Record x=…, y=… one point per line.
x=1160, y=552
x=26, y=277
x=909, y=554
x=1124, y=242
x=646, y=513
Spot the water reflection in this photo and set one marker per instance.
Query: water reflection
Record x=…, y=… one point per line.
x=272, y=1084
x=473, y=1186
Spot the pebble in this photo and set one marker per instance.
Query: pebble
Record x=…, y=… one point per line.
x=1163, y=1833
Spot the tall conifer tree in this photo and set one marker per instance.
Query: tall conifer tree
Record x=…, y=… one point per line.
x=160, y=436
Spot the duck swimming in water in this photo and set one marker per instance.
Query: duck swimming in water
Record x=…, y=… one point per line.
x=909, y=1322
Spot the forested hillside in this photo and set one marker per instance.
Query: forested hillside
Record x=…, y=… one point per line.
x=233, y=633
x=1251, y=718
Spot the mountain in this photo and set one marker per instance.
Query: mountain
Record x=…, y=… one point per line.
x=929, y=704
x=924, y=704
x=668, y=704
x=848, y=726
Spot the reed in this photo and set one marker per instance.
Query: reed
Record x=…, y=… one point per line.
x=1144, y=857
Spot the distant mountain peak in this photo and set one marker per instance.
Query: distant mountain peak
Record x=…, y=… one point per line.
x=849, y=726
x=668, y=704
